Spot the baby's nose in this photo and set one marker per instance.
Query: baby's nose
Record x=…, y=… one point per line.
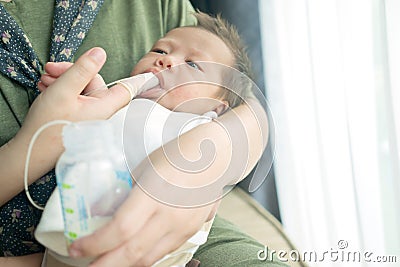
x=166, y=62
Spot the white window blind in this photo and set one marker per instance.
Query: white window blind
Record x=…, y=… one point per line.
x=332, y=70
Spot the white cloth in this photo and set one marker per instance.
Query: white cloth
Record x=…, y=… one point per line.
x=148, y=126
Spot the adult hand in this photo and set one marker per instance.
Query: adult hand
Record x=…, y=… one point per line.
x=141, y=232
x=62, y=100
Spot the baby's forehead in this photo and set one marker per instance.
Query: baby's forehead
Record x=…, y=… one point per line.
x=197, y=44
x=190, y=31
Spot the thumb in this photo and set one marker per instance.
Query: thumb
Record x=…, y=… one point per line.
x=75, y=79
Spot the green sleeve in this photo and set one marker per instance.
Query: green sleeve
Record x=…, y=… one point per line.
x=228, y=246
x=179, y=13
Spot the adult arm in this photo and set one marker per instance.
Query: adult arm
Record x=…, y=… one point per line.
x=140, y=234
x=33, y=260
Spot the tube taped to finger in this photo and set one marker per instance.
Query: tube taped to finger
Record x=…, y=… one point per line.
x=135, y=85
x=139, y=83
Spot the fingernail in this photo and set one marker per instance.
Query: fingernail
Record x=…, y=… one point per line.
x=97, y=54
x=74, y=253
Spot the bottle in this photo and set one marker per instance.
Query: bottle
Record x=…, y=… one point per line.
x=92, y=177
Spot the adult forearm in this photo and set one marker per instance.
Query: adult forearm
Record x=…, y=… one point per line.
x=227, y=148
x=12, y=162
x=33, y=260
x=254, y=120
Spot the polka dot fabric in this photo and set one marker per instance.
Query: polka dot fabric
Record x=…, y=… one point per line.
x=71, y=23
x=18, y=61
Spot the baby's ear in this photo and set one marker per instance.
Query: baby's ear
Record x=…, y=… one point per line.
x=221, y=108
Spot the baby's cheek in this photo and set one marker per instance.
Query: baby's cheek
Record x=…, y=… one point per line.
x=141, y=66
x=181, y=93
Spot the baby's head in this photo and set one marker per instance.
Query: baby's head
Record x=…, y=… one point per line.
x=205, y=53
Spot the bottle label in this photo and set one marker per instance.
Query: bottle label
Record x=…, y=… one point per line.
x=75, y=213
x=125, y=177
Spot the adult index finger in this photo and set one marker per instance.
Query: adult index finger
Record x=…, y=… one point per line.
x=56, y=69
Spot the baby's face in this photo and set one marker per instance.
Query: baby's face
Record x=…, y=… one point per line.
x=178, y=58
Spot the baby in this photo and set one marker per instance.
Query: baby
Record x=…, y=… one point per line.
x=192, y=63
x=194, y=66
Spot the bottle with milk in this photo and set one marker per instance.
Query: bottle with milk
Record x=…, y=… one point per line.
x=92, y=177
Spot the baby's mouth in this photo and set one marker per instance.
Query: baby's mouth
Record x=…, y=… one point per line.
x=159, y=74
x=153, y=93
